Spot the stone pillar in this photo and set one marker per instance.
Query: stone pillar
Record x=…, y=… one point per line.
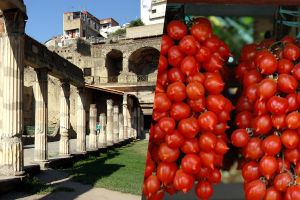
x=12, y=25
x=93, y=122
x=125, y=116
x=142, y=125
x=139, y=123
x=110, y=121
x=81, y=121
x=130, y=130
x=125, y=64
x=41, y=116
x=102, y=136
x=64, y=128
x=116, y=124
x=121, y=127
x=135, y=121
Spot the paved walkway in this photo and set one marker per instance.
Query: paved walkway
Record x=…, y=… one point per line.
x=67, y=189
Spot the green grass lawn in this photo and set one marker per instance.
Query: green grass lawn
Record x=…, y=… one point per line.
x=121, y=169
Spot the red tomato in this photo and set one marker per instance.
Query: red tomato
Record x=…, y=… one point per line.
x=271, y=145
x=150, y=165
x=189, y=127
x=176, y=29
x=268, y=166
x=204, y=190
x=167, y=154
x=251, y=77
x=278, y=121
x=201, y=31
x=180, y=111
x=216, y=103
x=195, y=90
x=267, y=63
x=273, y=194
x=262, y=124
x=292, y=193
x=291, y=155
x=167, y=124
x=188, y=45
x=292, y=120
x=166, y=44
x=290, y=139
x=250, y=171
x=291, y=52
x=166, y=172
x=282, y=181
x=214, y=85
x=296, y=72
x=162, y=64
x=253, y=149
x=255, y=190
x=287, y=83
x=158, y=115
x=175, y=56
x=221, y=147
x=198, y=77
x=240, y=138
x=197, y=105
x=189, y=65
x=176, y=91
x=190, y=146
x=174, y=140
x=260, y=107
x=183, y=181
x=207, y=121
x=214, y=176
x=161, y=102
x=191, y=164
x=152, y=184
x=267, y=88
x=175, y=74
x=207, y=159
x=292, y=101
x=285, y=66
x=277, y=105
x=207, y=141
x=203, y=54
x=243, y=119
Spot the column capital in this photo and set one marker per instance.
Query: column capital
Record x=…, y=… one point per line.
x=15, y=21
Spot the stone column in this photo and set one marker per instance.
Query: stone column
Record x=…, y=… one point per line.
x=134, y=121
x=125, y=64
x=41, y=116
x=121, y=127
x=125, y=116
x=116, y=124
x=93, y=121
x=102, y=136
x=130, y=130
x=142, y=125
x=64, y=128
x=81, y=121
x=139, y=124
x=110, y=121
x=12, y=66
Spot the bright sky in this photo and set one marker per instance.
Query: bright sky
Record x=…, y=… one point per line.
x=45, y=16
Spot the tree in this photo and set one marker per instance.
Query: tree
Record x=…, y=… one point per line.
x=137, y=22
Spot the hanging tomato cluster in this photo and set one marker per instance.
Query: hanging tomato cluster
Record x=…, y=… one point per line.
x=187, y=138
x=268, y=120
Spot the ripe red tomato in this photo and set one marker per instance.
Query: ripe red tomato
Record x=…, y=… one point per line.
x=282, y=181
x=214, y=84
x=191, y=164
x=190, y=146
x=273, y=194
x=166, y=172
x=201, y=31
x=195, y=90
x=207, y=159
x=216, y=103
x=188, y=45
x=167, y=154
x=197, y=105
x=268, y=166
x=166, y=44
x=287, y=83
x=285, y=66
x=262, y=124
x=167, y=124
x=251, y=77
x=150, y=165
x=214, y=176
x=221, y=147
x=207, y=141
x=278, y=121
x=176, y=29
x=260, y=107
x=204, y=190
x=162, y=64
x=175, y=56
x=292, y=120
x=296, y=72
x=291, y=52
x=250, y=171
x=290, y=139
x=176, y=91
x=292, y=193
x=213, y=64
x=277, y=105
x=161, y=102
x=243, y=119
x=175, y=74
x=292, y=101
x=271, y=145
x=157, y=132
x=253, y=149
x=183, y=181
x=291, y=155
x=189, y=127
x=152, y=184
x=267, y=88
x=180, y=111
x=240, y=138
x=255, y=190
x=174, y=140
x=203, y=54
x=283, y=165
x=267, y=63
x=189, y=65
x=198, y=77
x=207, y=121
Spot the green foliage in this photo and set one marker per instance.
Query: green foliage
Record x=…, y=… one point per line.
x=121, y=169
x=137, y=22
x=118, y=32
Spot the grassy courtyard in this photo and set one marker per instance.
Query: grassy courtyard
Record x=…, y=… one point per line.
x=121, y=169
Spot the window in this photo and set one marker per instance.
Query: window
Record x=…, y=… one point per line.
x=87, y=71
x=154, y=11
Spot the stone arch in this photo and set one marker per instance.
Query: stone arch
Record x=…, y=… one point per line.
x=113, y=64
x=143, y=61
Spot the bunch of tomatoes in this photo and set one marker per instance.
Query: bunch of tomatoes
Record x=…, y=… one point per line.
x=187, y=138
x=268, y=120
